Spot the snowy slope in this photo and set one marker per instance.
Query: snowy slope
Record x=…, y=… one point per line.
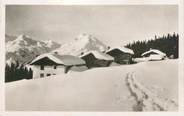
x=24, y=48
x=163, y=76
x=83, y=43
x=153, y=86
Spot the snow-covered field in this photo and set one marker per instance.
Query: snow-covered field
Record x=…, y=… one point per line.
x=146, y=86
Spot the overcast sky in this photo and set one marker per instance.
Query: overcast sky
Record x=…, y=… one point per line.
x=114, y=25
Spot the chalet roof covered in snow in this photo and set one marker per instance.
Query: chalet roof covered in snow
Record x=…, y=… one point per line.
x=98, y=55
x=69, y=59
x=123, y=49
x=154, y=51
x=61, y=59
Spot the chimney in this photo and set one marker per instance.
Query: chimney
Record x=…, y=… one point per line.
x=55, y=52
x=36, y=55
x=82, y=53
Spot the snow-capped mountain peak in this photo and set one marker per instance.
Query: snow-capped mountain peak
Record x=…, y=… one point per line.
x=51, y=44
x=22, y=37
x=24, y=48
x=82, y=43
x=22, y=40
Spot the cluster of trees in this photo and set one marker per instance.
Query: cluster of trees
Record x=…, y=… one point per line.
x=16, y=71
x=167, y=44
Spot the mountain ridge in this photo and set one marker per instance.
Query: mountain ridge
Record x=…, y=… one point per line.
x=23, y=48
x=82, y=43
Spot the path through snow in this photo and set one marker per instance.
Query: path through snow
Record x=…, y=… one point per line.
x=153, y=87
x=146, y=100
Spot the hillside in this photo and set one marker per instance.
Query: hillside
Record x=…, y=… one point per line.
x=139, y=87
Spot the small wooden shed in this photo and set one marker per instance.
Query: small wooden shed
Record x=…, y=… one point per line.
x=154, y=54
x=121, y=55
x=97, y=59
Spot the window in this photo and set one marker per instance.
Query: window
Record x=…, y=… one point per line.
x=55, y=67
x=48, y=74
x=41, y=75
x=42, y=67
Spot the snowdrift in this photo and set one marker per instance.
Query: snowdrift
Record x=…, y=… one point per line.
x=152, y=86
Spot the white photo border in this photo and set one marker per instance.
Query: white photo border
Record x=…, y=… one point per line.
x=180, y=4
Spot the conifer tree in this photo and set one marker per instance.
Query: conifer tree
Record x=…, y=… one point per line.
x=17, y=71
x=167, y=44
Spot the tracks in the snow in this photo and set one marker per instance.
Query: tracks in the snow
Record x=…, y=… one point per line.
x=145, y=100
